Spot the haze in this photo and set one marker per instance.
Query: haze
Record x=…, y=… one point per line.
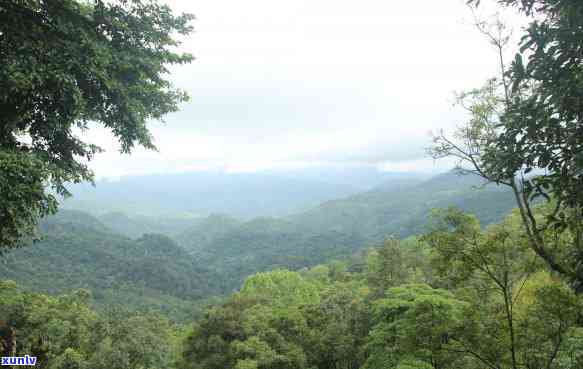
x=280, y=84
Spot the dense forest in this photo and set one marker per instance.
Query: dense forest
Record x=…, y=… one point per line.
x=148, y=273
x=459, y=295
x=478, y=268
x=123, y=260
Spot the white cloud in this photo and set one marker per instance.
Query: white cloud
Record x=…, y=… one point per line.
x=283, y=82
x=426, y=165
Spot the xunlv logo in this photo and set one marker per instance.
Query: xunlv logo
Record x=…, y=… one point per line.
x=19, y=360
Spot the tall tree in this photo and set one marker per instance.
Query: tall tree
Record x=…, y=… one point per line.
x=63, y=65
x=517, y=317
x=526, y=127
x=386, y=267
x=413, y=326
x=497, y=261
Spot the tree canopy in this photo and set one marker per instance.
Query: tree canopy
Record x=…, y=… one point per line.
x=526, y=127
x=65, y=65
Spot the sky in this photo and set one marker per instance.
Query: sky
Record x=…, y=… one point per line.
x=279, y=84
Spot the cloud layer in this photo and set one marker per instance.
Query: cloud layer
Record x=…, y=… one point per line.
x=283, y=82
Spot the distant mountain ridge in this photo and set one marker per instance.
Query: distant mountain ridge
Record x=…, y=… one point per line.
x=78, y=251
x=338, y=227
x=212, y=255
x=242, y=195
x=135, y=226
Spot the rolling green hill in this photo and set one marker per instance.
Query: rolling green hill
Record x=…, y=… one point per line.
x=214, y=254
x=134, y=226
x=336, y=228
x=78, y=251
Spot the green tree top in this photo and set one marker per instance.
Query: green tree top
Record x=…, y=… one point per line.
x=64, y=64
x=281, y=288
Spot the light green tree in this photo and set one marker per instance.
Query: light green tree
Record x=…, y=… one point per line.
x=281, y=288
x=387, y=267
x=414, y=326
x=524, y=127
x=515, y=316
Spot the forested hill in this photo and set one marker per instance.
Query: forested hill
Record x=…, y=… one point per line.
x=216, y=253
x=336, y=228
x=78, y=251
x=134, y=226
x=403, y=211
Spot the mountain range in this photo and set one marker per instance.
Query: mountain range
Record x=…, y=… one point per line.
x=142, y=260
x=242, y=195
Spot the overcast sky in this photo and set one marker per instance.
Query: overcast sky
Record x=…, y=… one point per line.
x=290, y=83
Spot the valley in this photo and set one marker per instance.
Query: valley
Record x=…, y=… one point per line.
x=291, y=185
x=170, y=265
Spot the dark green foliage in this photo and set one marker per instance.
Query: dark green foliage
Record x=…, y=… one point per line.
x=77, y=251
x=544, y=122
x=264, y=244
x=378, y=214
x=135, y=226
x=385, y=267
x=22, y=197
x=415, y=322
x=200, y=235
x=278, y=325
x=489, y=304
x=234, y=249
x=458, y=297
x=526, y=131
x=63, y=332
x=334, y=229
x=64, y=64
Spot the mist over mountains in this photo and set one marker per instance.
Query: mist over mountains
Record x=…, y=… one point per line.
x=337, y=228
x=183, y=257
x=242, y=195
